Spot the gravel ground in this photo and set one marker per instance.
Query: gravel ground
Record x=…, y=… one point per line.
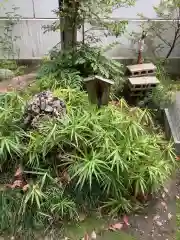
x=158, y=220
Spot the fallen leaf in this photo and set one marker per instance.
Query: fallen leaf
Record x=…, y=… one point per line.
x=17, y=183
x=25, y=187
x=116, y=226
x=125, y=220
x=18, y=172
x=86, y=237
x=93, y=235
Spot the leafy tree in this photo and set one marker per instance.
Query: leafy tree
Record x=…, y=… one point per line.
x=167, y=10
x=73, y=14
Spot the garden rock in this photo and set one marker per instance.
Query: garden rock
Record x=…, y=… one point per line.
x=43, y=106
x=6, y=74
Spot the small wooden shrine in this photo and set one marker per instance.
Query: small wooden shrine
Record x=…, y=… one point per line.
x=98, y=89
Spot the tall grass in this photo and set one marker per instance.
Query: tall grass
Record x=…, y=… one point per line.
x=91, y=158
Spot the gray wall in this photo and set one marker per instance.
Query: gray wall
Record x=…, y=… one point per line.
x=34, y=44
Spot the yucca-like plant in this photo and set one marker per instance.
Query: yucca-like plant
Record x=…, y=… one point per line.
x=112, y=148
x=11, y=133
x=109, y=155
x=58, y=205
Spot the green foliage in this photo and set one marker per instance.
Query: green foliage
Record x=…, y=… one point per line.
x=12, y=65
x=160, y=30
x=8, y=43
x=76, y=14
x=7, y=40
x=59, y=206
x=164, y=93
x=91, y=158
x=109, y=149
x=11, y=134
x=67, y=69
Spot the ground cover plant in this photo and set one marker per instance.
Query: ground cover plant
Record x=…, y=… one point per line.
x=107, y=159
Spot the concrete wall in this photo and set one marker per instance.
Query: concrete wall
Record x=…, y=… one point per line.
x=34, y=44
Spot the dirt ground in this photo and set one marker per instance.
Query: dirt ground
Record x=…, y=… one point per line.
x=19, y=82
x=158, y=220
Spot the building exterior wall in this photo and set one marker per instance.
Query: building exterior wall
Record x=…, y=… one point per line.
x=34, y=44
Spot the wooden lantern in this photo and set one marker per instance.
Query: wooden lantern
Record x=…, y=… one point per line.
x=98, y=89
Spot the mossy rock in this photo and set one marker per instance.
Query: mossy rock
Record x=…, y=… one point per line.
x=6, y=74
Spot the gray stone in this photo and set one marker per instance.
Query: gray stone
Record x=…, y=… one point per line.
x=43, y=106
x=35, y=109
x=57, y=103
x=172, y=122
x=48, y=109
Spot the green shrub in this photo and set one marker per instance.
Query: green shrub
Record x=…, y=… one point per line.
x=11, y=134
x=59, y=206
x=109, y=157
x=163, y=94
x=69, y=68
x=12, y=65
x=111, y=149
x=65, y=80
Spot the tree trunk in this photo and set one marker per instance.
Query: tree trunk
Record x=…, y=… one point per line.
x=69, y=26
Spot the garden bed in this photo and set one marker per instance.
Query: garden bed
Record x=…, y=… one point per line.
x=140, y=226
x=111, y=160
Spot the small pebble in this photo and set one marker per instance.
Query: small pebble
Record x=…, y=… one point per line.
x=164, y=205
x=159, y=223
x=163, y=195
x=156, y=217
x=170, y=216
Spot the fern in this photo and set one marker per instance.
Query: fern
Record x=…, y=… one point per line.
x=69, y=68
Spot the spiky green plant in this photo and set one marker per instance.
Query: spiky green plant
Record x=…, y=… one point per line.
x=112, y=148
x=108, y=155
x=58, y=205
x=11, y=134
